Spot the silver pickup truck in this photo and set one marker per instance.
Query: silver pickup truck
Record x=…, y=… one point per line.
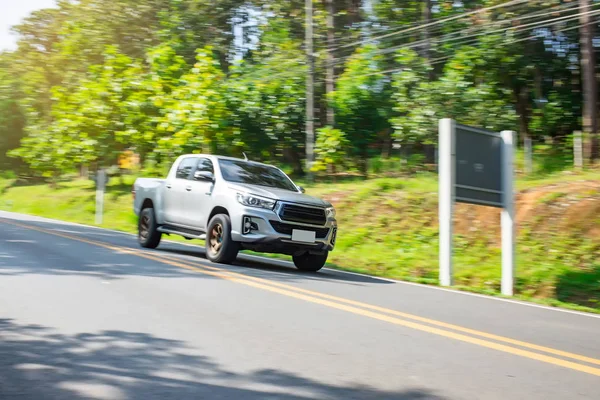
x=235, y=204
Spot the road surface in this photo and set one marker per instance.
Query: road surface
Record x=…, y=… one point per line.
x=86, y=314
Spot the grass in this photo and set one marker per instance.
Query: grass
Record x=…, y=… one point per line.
x=388, y=228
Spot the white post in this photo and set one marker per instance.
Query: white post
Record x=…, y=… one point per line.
x=507, y=218
x=578, y=150
x=446, y=156
x=528, y=156
x=100, y=184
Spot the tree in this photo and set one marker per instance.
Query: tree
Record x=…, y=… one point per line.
x=88, y=125
x=12, y=118
x=331, y=150
x=362, y=103
x=414, y=100
x=266, y=98
x=194, y=112
x=589, y=80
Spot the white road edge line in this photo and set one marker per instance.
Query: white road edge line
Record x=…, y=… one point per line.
x=266, y=259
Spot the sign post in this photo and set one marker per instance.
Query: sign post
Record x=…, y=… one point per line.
x=507, y=217
x=475, y=167
x=446, y=163
x=100, y=186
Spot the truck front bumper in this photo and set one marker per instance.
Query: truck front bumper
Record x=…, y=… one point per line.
x=269, y=233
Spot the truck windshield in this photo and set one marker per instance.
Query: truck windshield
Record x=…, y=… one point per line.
x=255, y=174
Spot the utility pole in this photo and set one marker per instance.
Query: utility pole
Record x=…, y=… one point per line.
x=588, y=81
x=330, y=73
x=310, y=110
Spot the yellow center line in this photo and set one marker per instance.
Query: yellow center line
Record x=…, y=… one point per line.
x=411, y=316
x=326, y=300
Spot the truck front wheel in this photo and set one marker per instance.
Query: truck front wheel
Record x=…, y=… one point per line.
x=148, y=234
x=220, y=248
x=310, y=262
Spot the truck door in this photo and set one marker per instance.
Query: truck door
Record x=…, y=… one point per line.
x=175, y=191
x=198, y=199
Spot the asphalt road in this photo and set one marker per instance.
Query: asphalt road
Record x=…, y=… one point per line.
x=86, y=314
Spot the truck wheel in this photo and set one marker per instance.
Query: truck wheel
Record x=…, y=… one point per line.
x=310, y=262
x=220, y=248
x=148, y=235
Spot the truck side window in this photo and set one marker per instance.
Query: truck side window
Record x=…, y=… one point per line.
x=185, y=167
x=205, y=165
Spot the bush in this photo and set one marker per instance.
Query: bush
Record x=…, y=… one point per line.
x=331, y=150
x=8, y=175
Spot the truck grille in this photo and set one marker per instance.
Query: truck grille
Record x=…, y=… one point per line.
x=286, y=229
x=304, y=215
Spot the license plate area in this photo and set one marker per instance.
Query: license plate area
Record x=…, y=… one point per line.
x=299, y=235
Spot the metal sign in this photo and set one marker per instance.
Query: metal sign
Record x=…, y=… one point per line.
x=475, y=166
x=478, y=166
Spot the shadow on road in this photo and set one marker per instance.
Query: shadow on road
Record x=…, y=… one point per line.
x=38, y=252
x=38, y=363
x=263, y=267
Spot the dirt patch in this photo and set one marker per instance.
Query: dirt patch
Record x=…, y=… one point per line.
x=570, y=206
x=337, y=197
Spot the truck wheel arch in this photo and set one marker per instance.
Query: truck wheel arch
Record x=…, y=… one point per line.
x=215, y=211
x=147, y=204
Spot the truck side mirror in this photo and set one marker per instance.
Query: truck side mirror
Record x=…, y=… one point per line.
x=204, y=176
x=300, y=188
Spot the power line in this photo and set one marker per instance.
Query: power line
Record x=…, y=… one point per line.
x=436, y=22
x=443, y=59
x=480, y=33
x=440, y=28
x=457, y=42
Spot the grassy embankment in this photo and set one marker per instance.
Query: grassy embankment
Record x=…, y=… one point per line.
x=388, y=227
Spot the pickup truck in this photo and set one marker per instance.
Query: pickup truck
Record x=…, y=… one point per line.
x=235, y=204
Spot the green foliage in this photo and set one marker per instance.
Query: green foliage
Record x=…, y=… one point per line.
x=192, y=113
x=414, y=100
x=460, y=93
x=92, y=78
x=88, y=124
x=12, y=118
x=361, y=101
x=266, y=99
x=331, y=150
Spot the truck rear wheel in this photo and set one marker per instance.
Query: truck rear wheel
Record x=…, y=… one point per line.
x=148, y=234
x=310, y=262
x=220, y=248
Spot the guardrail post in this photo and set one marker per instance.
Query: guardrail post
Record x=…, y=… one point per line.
x=100, y=187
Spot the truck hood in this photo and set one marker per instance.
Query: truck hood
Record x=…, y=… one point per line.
x=279, y=194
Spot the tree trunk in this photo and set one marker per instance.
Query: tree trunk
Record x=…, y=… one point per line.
x=588, y=80
x=330, y=78
x=292, y=156
x=523, y=111
x=426, y=35
x=386, y=147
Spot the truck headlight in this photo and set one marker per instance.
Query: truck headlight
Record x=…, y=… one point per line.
x=330, y=212
x=251, y=200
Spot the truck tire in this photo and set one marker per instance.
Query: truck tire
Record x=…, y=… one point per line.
x=310, y=262
x=148, y=234
x=220, y=248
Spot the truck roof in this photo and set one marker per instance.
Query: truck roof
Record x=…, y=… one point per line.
x=218, y=157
